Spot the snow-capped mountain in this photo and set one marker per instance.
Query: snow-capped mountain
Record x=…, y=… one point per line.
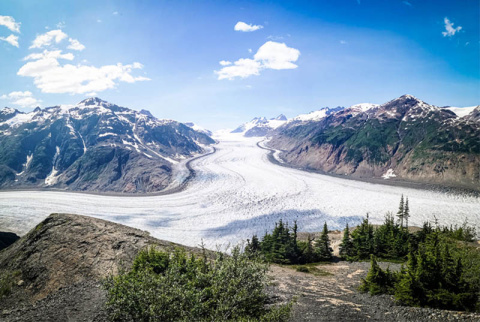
x=260, y=126
x=198, y=128
x=94, y=145
x=316, y=115
x=406, y=138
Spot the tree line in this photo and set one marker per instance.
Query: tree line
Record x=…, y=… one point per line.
x=441, y=269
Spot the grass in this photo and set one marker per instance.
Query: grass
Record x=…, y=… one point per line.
x=310, y=268
x=7, y=281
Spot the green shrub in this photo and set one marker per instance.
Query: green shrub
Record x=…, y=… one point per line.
x=177, y=287
x=303, y=269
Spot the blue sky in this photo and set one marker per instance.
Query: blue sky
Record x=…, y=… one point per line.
x=288, y=57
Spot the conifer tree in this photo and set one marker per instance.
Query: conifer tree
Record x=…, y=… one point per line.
x=406, y=213
x=323, y=249
x=363, y=240
x=346, y=247
x=401, y=212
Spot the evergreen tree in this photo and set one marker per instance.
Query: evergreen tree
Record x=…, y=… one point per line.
x=406, y=213
x=401, y=212
x=377, y=280
x=322, y=246
x=346, y=247
x=253, y=247
x=363, y=240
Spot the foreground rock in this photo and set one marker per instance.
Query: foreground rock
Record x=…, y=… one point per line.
x=59, y=265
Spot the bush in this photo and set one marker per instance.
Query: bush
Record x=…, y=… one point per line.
x=177, y=287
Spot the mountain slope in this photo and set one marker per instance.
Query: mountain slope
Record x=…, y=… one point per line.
x=405, y=138
x=93, y=146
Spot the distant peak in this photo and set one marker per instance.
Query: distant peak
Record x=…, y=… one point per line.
x=37, y=109
x=146, y=112
x=259, y=119
x=281, y=117
x=408, y=97
x=9, y=110
x=92, y=101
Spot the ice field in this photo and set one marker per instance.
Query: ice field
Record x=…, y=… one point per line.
x=237, y=192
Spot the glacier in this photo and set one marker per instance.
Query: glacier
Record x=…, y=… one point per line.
x=238, y=192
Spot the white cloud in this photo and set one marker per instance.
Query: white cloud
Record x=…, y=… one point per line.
x=242, y=68
x=225, y=62
x=343, y=42
x=242, y=26
x=75, y=45
x=50, y=54
x=271, y=55
x=250, y=50
x=50, y=76
x=22, y=99
x=10, y=23
x=61, y=25
x=449, y=30
x=12, y=40
x=276, y=55
x=48, y=38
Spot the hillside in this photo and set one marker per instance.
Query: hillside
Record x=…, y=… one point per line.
x=404, y=139
x=92, y=146
x=62, y=261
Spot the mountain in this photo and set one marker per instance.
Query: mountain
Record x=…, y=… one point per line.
x=198, y=128
x=316, y=115
x=92, y=146
x=260, y=126
x=404, y=139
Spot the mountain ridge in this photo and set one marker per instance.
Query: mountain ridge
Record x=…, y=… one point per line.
x=403, y=139
x=93, y=146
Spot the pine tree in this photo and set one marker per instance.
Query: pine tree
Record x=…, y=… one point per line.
x=346, y=247
x=406, y=213
x=253, y=247
x=401, y=212
x=377, y=280
x=308, y=253
x=363, y=240
x=323, y=249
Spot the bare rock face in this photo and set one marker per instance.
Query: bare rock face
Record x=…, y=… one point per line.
x=404, y=139
x=66, y=250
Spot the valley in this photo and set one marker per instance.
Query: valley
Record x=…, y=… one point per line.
x=237, y=192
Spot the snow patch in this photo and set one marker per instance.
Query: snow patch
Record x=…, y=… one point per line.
x=389, y=174
x=52, y=178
